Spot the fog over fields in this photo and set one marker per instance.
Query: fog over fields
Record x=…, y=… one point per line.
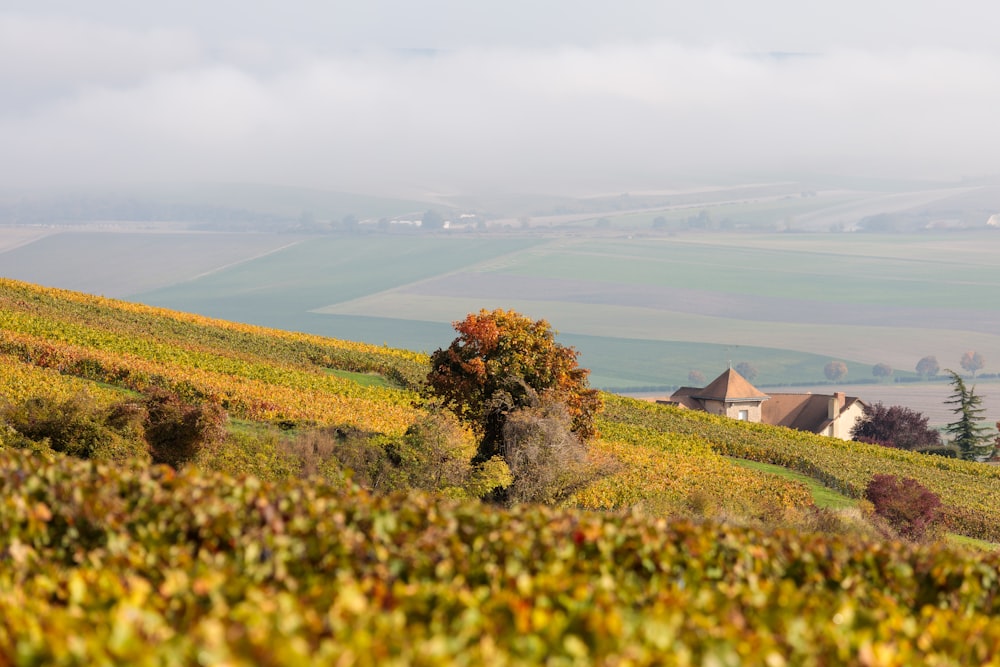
x=674, y=186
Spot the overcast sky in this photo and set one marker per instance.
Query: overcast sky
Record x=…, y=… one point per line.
x=448, y=96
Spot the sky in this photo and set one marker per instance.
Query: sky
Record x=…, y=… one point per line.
x=400, y=97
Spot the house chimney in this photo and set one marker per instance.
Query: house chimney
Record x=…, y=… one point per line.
x=836, y=404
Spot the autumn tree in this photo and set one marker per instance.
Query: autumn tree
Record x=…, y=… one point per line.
x=747, y=370
x=895, y=426
x=972, y=361
x=928, y=367
x=502, y=361
x=882, y=371
x=966, y=431
x=835, y=370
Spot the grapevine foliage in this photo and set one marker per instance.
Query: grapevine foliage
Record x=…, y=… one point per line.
x=111, y=565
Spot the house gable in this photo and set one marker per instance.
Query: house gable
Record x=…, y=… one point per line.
x=731, y=395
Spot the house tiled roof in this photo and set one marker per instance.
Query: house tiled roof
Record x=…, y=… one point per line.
x=805, y=412
x=730, y=387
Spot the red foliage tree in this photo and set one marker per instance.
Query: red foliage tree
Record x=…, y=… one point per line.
x=502, y=361
x=895, y=426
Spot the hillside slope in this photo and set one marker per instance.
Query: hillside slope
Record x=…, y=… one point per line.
x=60, y=343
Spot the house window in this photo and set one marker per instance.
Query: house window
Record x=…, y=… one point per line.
x=744, y=415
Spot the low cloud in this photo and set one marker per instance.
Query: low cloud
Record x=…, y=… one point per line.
x=90, y=103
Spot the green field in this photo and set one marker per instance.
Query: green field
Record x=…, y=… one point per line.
x=121, y=263
x=643, y=311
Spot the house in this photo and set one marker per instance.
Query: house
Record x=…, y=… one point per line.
x=733, y=396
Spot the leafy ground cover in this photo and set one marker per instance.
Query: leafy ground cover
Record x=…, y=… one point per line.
x=143, y=565
x=969, y=491
x=255, y=373
x=100, y=565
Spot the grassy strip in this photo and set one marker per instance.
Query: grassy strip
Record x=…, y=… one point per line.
x=962, y=540
x=822, y=496
x=364, y=379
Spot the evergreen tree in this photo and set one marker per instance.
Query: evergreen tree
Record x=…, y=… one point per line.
x=966, y=431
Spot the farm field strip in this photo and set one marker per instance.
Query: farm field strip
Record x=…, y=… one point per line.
x=12, y=238
x=332, y=269
x=934, y=292
x=765, y=272
x=901, y=347
x=121, y=264
x=967, y=249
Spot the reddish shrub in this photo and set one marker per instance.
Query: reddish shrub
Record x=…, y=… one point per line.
x=177, y=431
x=908, y=506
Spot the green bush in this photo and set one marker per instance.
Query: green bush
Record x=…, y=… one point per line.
x=78, y=427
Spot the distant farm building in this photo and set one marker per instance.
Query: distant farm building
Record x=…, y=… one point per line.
x=733, y=396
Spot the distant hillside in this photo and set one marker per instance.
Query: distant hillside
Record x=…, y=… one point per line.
x=223, y=206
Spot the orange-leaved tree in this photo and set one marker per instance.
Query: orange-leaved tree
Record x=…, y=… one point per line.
x=503, y=361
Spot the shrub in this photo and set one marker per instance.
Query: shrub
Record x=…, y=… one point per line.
x=178, y=431
x=435, y=453
x=909, y=507
x=78, y=427
x=547, y=461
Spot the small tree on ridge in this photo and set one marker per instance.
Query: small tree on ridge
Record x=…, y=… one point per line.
x=882, y=371
x=928, y=367
x=973, y=361
x=835, y=370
